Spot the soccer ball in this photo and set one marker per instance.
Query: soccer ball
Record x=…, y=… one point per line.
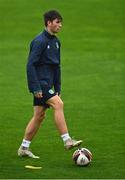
x=82, y=157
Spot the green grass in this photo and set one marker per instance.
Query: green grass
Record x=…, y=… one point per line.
x=93, y=88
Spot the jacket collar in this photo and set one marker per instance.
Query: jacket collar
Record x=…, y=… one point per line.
x=48, y=34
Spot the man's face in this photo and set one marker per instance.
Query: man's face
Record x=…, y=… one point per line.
x=54, y=26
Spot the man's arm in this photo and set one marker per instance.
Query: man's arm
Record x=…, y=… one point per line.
x=57, y=80
x=33, y=60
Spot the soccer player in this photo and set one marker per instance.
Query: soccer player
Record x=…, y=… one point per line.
x=43, y=75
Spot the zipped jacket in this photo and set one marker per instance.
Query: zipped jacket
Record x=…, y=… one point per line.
x=43, y=67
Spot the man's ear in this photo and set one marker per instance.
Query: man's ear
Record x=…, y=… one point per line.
x=49, y=23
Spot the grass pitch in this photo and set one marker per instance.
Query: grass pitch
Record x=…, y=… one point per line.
x=93, y=88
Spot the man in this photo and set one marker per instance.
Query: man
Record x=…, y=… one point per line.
x=43, y=73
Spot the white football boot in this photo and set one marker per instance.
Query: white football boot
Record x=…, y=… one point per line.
x=22, y=151
x=71, y=143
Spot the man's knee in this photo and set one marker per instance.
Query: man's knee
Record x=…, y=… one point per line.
x=56, y=103
x=39, y=115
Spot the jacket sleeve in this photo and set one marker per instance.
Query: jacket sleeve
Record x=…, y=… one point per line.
x=57, y=79
x=36, y=49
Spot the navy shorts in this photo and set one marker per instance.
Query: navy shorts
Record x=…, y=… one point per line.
x=47, y=94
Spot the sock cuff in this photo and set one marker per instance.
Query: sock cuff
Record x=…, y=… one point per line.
x=25, y=143
x=65, y=136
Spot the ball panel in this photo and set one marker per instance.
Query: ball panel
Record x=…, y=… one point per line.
x=87, y=153
x=82, y=160
x=76, y=155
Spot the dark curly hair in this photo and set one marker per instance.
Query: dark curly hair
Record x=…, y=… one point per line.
x=51, y=15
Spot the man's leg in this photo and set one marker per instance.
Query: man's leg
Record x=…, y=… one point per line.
x=31, y=130
x=56, y=103
x=35, y=122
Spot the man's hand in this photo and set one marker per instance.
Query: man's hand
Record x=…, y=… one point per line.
x=38, y=94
